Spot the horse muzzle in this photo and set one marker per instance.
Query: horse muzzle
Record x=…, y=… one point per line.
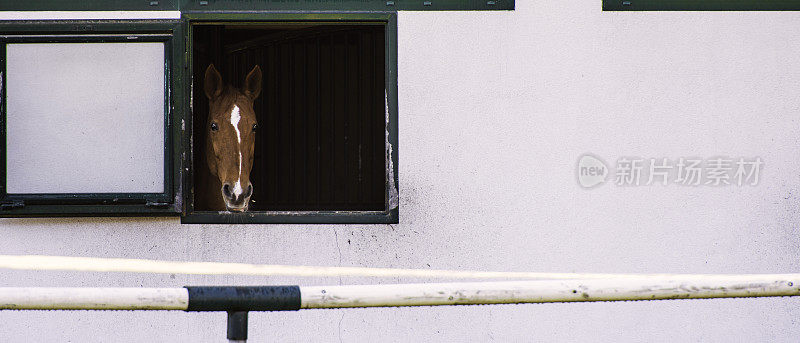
x=236, y=201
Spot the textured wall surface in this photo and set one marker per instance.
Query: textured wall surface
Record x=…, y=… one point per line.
x=495, y=110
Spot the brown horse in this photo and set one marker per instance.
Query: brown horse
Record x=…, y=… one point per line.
x=230, y=140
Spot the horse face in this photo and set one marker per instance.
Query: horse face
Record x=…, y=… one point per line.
x=230, y=135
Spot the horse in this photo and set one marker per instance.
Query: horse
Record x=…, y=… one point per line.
x=230, y=141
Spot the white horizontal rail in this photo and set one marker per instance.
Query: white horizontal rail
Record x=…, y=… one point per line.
x=95, y=264
x=42, y=298
x=465, y=293
x=510, y=292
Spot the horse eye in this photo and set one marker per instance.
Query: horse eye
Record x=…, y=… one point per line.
x=255, y=126
x=214, y=127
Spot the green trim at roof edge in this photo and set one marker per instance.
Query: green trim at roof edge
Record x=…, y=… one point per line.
x=701, y=5
x=196, y=6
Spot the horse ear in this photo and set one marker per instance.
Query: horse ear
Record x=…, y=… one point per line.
x=213, y=82
x=252, y=84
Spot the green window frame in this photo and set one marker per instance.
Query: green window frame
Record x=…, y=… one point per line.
x=701, y=5
x=390, y=213
x=96, y=204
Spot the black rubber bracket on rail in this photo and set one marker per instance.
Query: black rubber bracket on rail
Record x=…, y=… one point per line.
x=244, y=298
x=237, y=326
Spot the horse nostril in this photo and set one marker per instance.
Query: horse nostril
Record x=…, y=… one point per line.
x=249, y=191
x=226, y=190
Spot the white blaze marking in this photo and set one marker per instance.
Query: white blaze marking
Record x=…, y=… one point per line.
x=235, y=117
x=237, y=189
x=235, y=122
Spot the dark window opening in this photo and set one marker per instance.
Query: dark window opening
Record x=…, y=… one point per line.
x=321, y=140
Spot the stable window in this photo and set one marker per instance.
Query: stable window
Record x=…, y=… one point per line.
x=85, y=117
x=325, y=150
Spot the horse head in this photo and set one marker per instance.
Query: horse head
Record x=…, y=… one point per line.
x=230, y=135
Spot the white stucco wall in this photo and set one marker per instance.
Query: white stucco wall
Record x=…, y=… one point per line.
x=495, y=110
